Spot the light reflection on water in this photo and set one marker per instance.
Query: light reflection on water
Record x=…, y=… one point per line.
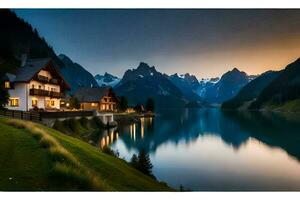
x=207, y=149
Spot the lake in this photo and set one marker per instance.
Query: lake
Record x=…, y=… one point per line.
x=215, y=150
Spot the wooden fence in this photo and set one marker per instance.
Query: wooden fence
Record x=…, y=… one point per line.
x=32, y=116
x=39, y=116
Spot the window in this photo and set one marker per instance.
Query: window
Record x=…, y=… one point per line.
x=7, y=84
x=40, y=87
x=52, y=103
x=14, y=102
x=32, y=86
x=34, y=102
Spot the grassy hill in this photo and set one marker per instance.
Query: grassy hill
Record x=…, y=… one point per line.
x=251, y=91
x=35, y=157
x=282, y=90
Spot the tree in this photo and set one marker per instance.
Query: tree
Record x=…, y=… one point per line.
x=139, y=108
x=150, y=105
x=3, y=97
x=123, y=104
x=144, y=163
x=134, y=161
x=74, y=103
x=3, y=92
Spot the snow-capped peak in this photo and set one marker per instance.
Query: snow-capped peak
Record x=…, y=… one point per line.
x=107, y=80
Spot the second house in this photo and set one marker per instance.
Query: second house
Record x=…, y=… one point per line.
x=100, y=99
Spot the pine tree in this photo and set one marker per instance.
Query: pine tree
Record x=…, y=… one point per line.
x=144, y=163
x=123, y=104
x=134, y=161
x=150, y=105
x=3, y=97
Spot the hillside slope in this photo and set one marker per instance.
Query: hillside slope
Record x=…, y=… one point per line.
x=20, y=38
x=28, y=164
x=282, y=90
x=251, y=91
x=76, y=75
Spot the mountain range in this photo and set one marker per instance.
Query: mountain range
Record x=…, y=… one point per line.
x=187, y=84
x=143, y=82
x=107, y=80
x=234, y=89
x=276, y=91
x=216, y=91
x=251, y=91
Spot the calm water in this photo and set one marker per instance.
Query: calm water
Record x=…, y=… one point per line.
x=209, y=149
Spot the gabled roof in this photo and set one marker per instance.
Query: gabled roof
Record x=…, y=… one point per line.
x=32, y=67
x=91, y=94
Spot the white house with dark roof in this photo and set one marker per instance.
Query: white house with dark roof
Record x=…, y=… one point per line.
x=35, y=85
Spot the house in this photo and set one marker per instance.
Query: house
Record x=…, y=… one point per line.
x=100, y=99
x=35, y=85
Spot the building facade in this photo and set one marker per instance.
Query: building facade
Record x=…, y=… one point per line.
x=35, y=86
x=100, y=99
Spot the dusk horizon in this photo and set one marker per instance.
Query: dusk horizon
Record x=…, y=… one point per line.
x=205, y=43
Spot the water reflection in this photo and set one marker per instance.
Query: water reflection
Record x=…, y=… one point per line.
x=210, y=149
x=108, y=137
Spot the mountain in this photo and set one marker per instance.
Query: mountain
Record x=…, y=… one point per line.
x=251, y=91
x=191, y=80
x=107, y=80
x=204, y=84
x=76, y=75
x=227, y=87
x=187, y=84
x=144, y=82
x=18, y=38
x=283, y=92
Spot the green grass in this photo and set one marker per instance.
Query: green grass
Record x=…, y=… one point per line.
x=41, y=158
x=289, y=106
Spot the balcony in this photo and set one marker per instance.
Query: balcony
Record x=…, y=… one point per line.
x=39, y=92
x=45, y=93
x=56, y=95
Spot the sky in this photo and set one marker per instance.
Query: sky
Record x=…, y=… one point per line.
x=206, y=43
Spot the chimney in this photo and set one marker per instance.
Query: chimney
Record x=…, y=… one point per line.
x=23, y=59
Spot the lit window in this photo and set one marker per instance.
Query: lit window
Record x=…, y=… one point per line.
x=93, y=104
x=14, y=102
x=34, y=102
x=52, y=103
x=7, y=84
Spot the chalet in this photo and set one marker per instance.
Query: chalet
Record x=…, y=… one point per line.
x=100, y=99
x=35, y=85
